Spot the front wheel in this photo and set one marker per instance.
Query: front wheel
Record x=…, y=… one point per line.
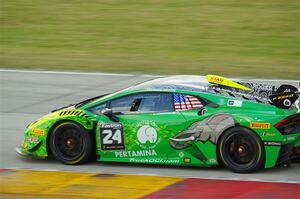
x=241, y=150
x=70, y=143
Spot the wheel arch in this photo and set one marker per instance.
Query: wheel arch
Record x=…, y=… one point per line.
x=218, y=142
x=236, y=126
x=54, y=125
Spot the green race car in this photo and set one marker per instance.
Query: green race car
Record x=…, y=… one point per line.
x=178, y=120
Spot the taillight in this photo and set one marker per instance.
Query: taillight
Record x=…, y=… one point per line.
x=297, y=150
x=289, y=125
x=280, y=123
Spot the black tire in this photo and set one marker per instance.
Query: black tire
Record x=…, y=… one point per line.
x=241, y=150
x=70, y=143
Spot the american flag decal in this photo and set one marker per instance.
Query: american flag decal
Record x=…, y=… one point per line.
x=186, y=102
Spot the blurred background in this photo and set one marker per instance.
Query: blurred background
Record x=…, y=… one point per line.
x=230, y=38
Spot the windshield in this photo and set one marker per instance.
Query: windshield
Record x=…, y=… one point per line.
x=82, y=103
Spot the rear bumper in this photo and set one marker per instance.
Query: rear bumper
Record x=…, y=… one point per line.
x=285, y=154
x=296, y=153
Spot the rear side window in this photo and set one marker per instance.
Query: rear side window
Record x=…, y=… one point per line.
x=186, y=102
x=156, y=102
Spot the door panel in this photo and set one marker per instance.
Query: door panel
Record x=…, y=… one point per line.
x=146, y=137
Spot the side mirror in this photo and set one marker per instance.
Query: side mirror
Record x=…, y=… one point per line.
x=106, y=112
x=109, y=113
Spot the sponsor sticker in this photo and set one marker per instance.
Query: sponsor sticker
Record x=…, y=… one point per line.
x=138, y=153
x=154, y=160
x=32, y=139
x=216, y=79
x=292, y=138
x=187, y=160
x=36, y=131
x=147, y=134
x=235, y=103
x=112, y=136
x=259, y=125
x=283, y=96
x=272, y=143
x=268, y=134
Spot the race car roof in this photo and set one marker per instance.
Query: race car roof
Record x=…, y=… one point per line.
x=196, y=84
x=179, y=82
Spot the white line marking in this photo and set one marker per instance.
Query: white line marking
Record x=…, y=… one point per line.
x=153, y=174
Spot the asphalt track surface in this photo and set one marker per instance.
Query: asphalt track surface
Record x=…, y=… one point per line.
x=28, y=95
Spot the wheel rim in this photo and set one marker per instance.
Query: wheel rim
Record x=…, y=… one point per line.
x=69, y=143
x=241, y=150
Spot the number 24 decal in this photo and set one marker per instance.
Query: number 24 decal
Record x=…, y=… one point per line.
x=110, y=136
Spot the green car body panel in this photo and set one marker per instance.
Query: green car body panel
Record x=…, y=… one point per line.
x=260, y=118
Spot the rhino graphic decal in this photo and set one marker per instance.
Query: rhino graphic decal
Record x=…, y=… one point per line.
x=208, y=129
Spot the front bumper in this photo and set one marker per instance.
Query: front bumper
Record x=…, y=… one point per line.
x=27, y=155
x=36, y=150
x=20, y=152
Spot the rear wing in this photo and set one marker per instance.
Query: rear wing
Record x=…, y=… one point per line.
x=284, y=96
x=222, y=81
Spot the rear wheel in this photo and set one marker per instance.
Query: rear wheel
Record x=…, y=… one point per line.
x=241, y=150
x=70, y=143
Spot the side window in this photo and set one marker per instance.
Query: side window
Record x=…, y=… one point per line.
x=156, y=102
x=186, y=102
x=144, y=102
x=151, y=102
x=122, y=104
